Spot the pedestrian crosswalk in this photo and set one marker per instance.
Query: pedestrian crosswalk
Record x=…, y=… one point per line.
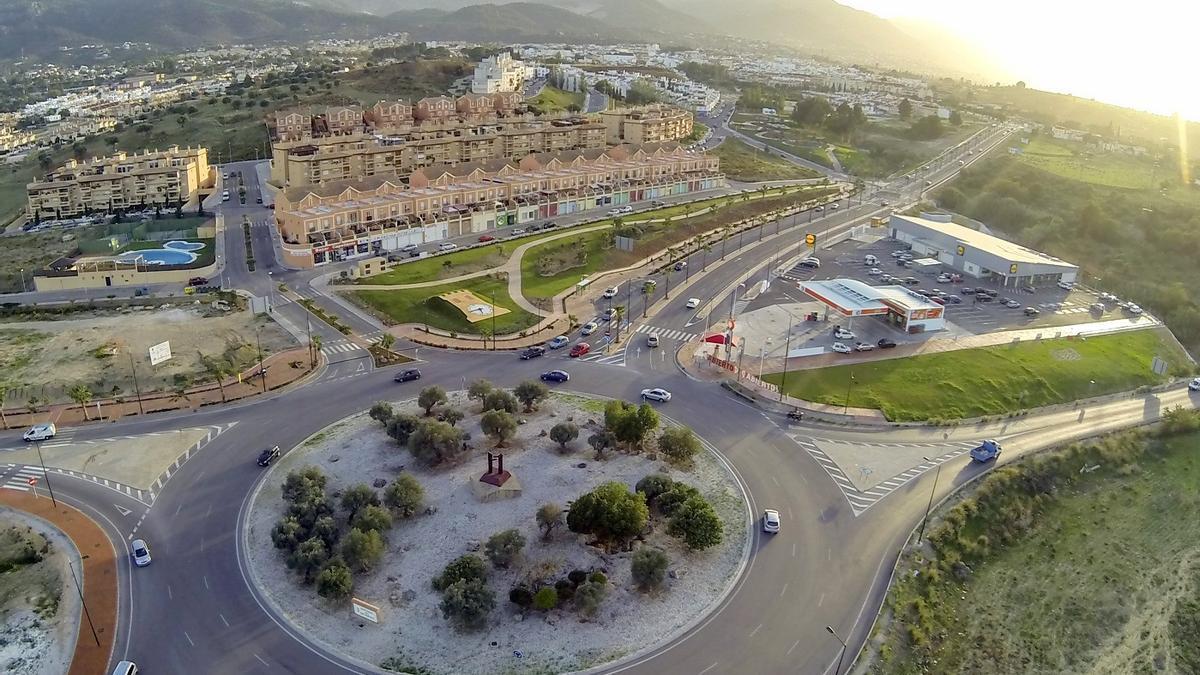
x=23, y=478
x=667, y=333
x=862, y=499
x=617, y=359
x=339, y=347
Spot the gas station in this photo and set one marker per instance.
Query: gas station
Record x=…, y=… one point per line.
x=898, y=306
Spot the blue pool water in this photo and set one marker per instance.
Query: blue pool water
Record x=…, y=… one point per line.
x=172, y=253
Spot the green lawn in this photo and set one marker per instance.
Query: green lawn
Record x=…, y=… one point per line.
x=444, y=266
x=1094, y=573
x=420, y=305
x=533, y=285
x=990, y=380
x=551, y=99
x=1076, y=162
x=741, y=162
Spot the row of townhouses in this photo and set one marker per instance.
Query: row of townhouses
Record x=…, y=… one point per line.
x=387, y=116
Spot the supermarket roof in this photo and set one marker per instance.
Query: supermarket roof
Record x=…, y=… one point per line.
x=1001, y=248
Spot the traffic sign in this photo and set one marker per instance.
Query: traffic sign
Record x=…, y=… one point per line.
x=32, y=481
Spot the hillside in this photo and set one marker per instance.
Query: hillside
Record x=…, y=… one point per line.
x=41, y=27
x=514, y=22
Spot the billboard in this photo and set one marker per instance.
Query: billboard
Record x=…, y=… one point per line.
x=160, y=352
x=365, y=610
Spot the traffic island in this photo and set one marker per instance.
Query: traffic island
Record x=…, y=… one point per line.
x=431, y=557
x=95, y=560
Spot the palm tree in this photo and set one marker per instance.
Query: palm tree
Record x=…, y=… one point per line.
x=180, y=392
x=314, y=348
x=81, y=395
x=386, y=341
x=217, y=370
x=707, y=250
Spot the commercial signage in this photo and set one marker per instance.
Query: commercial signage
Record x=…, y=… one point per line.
x=962, y=250
x=1012, y=269
x=365, y=610
x=810, y=239
x=160, y=352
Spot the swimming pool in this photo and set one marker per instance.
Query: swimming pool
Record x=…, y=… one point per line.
x=172, y=253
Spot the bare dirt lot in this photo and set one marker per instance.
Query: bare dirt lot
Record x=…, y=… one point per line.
x=39, y=610
x=45, y=359
x=412, y=634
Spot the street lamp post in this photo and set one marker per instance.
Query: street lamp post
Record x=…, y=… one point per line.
x=842, y=653
x=86, y=613
x=262, y=374
x=937, y=474
x=849, y=385
x=733, y=299
x=787, y=347
x=42, y=462
x=24, y=288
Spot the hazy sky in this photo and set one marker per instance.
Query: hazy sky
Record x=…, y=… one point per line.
x=1138, y=56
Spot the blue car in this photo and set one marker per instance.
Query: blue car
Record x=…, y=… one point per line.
x=556, y=376
x=558, y=342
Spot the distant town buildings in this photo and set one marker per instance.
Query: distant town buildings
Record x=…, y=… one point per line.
x=343, y=220
x=119, y=182
x=500, y=73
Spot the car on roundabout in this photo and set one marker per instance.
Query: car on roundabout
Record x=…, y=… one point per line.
x=589, y=328
x=656, y=394
x=533, y=352
x=558, y=342
x=652, y=340
x=580, y=349
x=770, y=521
x=610, y=292
x=407, y=375
x=556, y=376
x=140, y=552
x=268, y=455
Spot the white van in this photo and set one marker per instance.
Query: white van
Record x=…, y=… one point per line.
x=125, y=668
x=871, y=260
x=40, y=432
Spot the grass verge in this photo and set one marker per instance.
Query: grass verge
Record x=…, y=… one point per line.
x=1044, y=569
x=741, y=162
x=421, y=306
x=991, y=380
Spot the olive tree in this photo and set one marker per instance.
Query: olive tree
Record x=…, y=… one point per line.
x=435, y=442
x=563, y=433
x=611, y=512
x=649, y=567
x=530, y=392
x=549, y=516
x=430, y=397
x=404, y=495
x=503, y=548
x=498, y=425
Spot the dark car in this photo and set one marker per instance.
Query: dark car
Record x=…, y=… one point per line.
x=983, y=297
x=954, y=299
x=258, y=200
x=533, y=353
x=968, y=291
x=885, y=343
x=197, y=281
x=680, y=265
x=407, y=375
x=550, y=225
x=536, y=228
x=555, y=376
x=267, y=456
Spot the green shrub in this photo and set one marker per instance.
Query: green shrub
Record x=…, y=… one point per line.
x=545, y=599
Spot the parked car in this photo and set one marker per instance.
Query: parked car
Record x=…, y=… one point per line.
x=770, y=521
x=533, y=352
x=268, y=455
x=875, y=271
x=1066, y=285
x=486, y=237
x=680, y=266
x=536, y=227
x=550, y=225
x=863, y=347
x=408, y=248
x=140, y=552
x=897, y=254
x=819, y=209
x=885, y=343
x=841, y=348
x=658, y=203
x=936, y=300
x=814, y=263
x=1133, y=309
x=652, y=340
x=556, y=376
x=842, y=333
x=40, y=432
x=911, y=281
x=407, y=375
x=558, y=342
x=1097, y=307
x=610, y=292
x=1012, y=304
x=447, y=246
x=580, y=349
x=953, y=299
x=693, y=303
x=1194, y=385
x=589, y=328
x=968, y=291
x=656, y=394
x=1032, y=311
x=518, y=232
x=197, y=281
x=983, y=297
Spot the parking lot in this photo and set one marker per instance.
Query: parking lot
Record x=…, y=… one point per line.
x=966, y=314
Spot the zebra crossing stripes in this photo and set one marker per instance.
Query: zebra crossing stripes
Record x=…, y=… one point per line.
x=19, y=479
x=862, y=499
x=667, y=333
x=617, y=359
x=339, y=347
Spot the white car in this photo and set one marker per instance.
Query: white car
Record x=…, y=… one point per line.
x=1012, y=304
x=874, y=271
x=40, y=432
x=1066, y=285
x=841, y=348
x=140, y=552
x=1133, y=309
x=408, y=248
x=589, y=328
x=652, y=340
x=944, y=279
x=610, y=292
x=693, y=303
x=447, y=246
x=660, y=395
x=897, y=254
x=863, y=346
x=770, y=521
x=518, y=232
x=1194, y=385
x=843, y=334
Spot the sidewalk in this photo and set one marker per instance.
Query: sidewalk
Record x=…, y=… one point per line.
x=98, y=569
x=280, y=373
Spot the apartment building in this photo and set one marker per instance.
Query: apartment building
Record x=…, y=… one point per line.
x=348, y=219
x=646, y=124
x=499, y=73
x=121, y=181
x=359, y=156
x=390, y=116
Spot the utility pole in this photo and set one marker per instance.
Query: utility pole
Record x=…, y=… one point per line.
x=937, y=474
x=493, y=321
x=787, y=347
x=136, y=389
x=262, y=374
x=42, y=462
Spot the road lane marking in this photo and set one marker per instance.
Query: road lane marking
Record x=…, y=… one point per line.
x=792, y=648
x=756, y=629
x=783, y=590
x=793, y=549
x=776, y=481
x=223, y=620
x=189, y=638
x=170, y=595
x=260, y=660
x=821, y=600
x=714, y=665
